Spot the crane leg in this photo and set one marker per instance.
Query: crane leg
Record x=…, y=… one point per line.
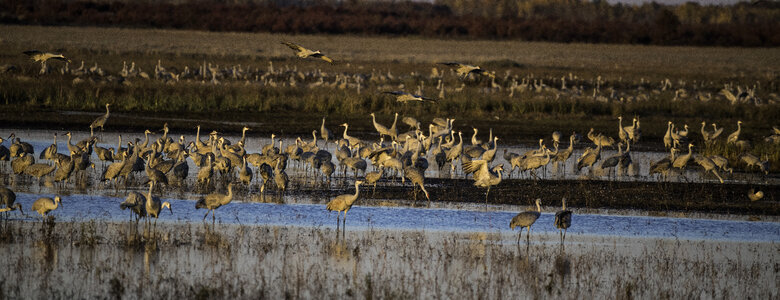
x=206, y=215
x=519, y=235
x=564, y=235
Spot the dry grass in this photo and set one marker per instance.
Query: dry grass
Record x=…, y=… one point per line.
x=650, y=60
x=184, y=260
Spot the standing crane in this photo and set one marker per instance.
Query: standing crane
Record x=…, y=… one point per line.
x=525, y=220
x=153, y=205
x=483, y=175
x=99, y=122
x=563, y=220
x=344, y=203
x=45, y=205
x=213, y=201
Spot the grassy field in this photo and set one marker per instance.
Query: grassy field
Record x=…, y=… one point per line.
x=96, y=259
x=602, y=82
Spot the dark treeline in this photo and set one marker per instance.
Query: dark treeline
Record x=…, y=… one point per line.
x=743, y=24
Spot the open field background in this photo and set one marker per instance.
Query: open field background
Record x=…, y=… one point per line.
x=98, y=258
x=565, y=87
x=746, y=24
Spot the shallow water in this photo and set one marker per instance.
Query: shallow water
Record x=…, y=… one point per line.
x=85, y=207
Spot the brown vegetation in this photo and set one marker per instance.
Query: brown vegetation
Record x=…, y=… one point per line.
x=558, y=21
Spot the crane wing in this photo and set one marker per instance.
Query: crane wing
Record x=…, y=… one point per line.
x=323, y=57
x=474, y=166
x=451, y=64
x=32, y=52
x=294, y=46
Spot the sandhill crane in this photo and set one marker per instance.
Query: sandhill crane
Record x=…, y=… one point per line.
x=556, y=136
x=752, y=160
x=563, y=155
x=22, y=162
x=280, y=177
x=154, y=205
x=43, y=57
x=353, y=141
x=611, y=162
x=355, y=163
x=663, y=165
x=105, y=155
x=708, y=165
x=622, y=133
x=245, y=174
x=682, y=161
x=213, y=201
x=325, y=133
x=8, y=197
x=755, y=196
x=706, y=135
x=404, y=97
x=716, y=131
x=531, y=163
x=411, y=121
x=393, y=130
x=417, y=178
x=373, y=177
x=633, y=132
x=268, y=149
x=343, y=203
x=65, y=169
x=683, y=133
x=136, y=202
x=327, y=168
x=600, y=139
x=734, y=137
x=463, y=70
x=99, y=122
x=721, y=162
x=180, y=169
x=39, y=170
x=5, y=154
x=563, y=220
x=51, y=151
x=490, y=154
x=304, y=53
x=525, y=220
x=17, y=146
x=589, y=158
x=455, y=152
x=379, y=127
x=45, y=205
x=206, y=172
x=483, y=175
x=112, y=172
x=668, y=136
x=155, y=175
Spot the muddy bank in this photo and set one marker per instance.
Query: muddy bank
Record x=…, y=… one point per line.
x=95, y=259
x=658, y=198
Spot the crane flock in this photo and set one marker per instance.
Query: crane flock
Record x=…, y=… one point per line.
x=166, y=161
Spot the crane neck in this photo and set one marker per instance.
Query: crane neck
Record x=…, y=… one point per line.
x=355, y=197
